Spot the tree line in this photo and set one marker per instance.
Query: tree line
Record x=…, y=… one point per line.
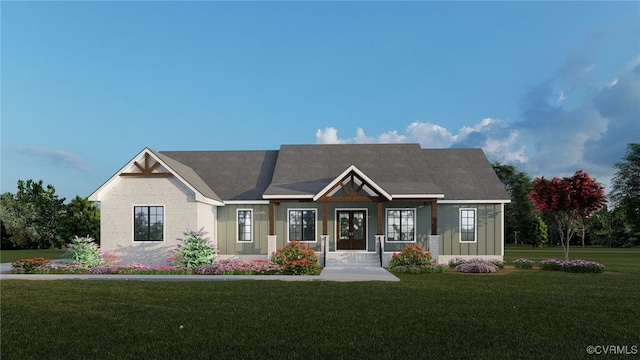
x=552, y=212
x=36, y=218
x=574, y=209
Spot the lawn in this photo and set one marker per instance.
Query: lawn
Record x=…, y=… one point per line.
x=7, y=256
x=520, y=314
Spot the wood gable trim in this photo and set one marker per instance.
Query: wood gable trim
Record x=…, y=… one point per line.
x=353, y=192
x=148, y=170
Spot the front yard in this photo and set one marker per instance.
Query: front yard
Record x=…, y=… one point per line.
x=524, y=314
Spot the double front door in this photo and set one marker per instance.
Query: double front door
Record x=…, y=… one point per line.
x=352, y=230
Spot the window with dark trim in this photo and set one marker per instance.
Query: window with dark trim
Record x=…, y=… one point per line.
x=245, y=222
x=401, y=225
x=148, y=223
x=467, y=225
x=302, y=225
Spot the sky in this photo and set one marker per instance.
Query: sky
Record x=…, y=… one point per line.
x=549, y=87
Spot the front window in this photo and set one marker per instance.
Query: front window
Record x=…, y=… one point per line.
x=148, y=223
x=244, y=226
x=467, y=225
x=401, y=225
x=302, y=225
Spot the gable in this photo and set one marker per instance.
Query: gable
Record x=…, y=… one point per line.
x=149, y=164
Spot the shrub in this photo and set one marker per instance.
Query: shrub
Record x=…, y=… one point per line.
x=83, y=251
x=477, y=267
x=413, y=259
x=455, y=262
x=573, y=266
x=296, y=259
x=195, y=250
x=238, y=267
x=523, y=263
x=28, y=266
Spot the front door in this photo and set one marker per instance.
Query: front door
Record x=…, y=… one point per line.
x=352, y=230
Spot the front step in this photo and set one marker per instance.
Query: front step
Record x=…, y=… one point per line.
x=352, y=259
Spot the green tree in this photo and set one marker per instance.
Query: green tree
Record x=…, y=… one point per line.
x=520, y=213
x=626, y=190
x=608, y=227
x=82, y=218
x=534, y=232
x=32, y=216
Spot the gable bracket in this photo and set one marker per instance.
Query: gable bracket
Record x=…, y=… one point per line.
x=148, y=170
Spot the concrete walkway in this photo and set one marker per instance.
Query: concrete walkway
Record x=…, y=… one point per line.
x=328, y=274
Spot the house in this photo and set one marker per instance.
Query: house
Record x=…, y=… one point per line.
x=354, y=204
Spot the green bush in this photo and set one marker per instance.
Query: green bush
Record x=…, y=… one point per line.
x=195, y=250
x=83, y=251
x=296, y=259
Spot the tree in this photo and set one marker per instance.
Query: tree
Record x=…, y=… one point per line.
x=626, y=189
x=608, y=227
x=520, y=213
x=82, y=218
x=32, y=216
x=568, y=200
x=534, y=232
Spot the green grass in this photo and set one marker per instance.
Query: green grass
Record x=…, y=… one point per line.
x=7, y=256
x=520, y=314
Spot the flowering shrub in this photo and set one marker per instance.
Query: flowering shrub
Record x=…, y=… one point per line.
x=523, y=263
x=28, y=266
x=195, y=250
x=477, y=267
x=83, y=251
x=239, y=267
x=105, y=269
x=296, y=259
x=455, y=262
x=413, y=259
x=574, y=266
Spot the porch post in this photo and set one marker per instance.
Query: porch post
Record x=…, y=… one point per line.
x=272, y=237
x=434, y=238
x=434, y=217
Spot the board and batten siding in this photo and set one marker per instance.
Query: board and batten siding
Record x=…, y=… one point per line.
x=117, y=214
x=489, y=230
x=227, y=232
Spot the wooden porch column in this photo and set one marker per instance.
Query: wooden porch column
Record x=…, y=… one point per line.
x=434, y=217
x=325, y=218
x=272, y=217
x=380, y=218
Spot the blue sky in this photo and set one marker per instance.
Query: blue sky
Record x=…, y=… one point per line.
x=550, y=87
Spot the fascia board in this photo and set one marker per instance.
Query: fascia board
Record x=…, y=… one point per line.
x=418, y=196
x=474, y=201
x=360, y=174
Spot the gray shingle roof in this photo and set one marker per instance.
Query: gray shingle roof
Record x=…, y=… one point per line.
x=233, y=175
x=304, y=170
x=307, y=169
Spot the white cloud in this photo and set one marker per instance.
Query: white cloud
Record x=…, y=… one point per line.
x=489, y=134
x=54, y=156
x=587, y=127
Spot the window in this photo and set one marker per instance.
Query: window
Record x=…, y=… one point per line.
x=245, y=226
x=148, y=223
x=467, y=225
x=401, y=225
x=302, y=225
